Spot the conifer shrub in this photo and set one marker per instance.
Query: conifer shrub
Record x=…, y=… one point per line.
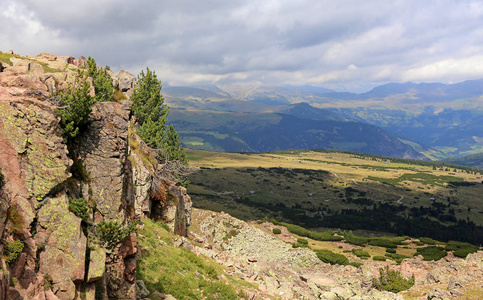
x=102, y=82
x=110, y=234
x=392, y=281
x=12, y=251
x=361, y=253
x=355, y=240
x=379, y=258
x=75, y=105
x=356, y=264
x=431, y=253
x=231, y=234
x=302, y=241
x=276, y=231
x=398, y=258
x=390, y=250
x=332, y=258
x=461, y=249
x=430, y=241
x=78, y=206
x=299, y=230
x=75, y=102
x=383, y=242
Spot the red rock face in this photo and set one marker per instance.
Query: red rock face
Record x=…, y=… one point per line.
x=38, y=183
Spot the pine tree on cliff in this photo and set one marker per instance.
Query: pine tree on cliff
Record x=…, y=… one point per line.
x=151, y=115
x=102, y=82
x=75, y=105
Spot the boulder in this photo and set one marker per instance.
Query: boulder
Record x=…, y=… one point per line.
x=438, y=294
x=126, y=82
x=81, y=61
x=47, y=56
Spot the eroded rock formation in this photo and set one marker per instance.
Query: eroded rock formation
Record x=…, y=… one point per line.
x=60, y=257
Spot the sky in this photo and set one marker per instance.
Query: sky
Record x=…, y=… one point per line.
x=348, y=45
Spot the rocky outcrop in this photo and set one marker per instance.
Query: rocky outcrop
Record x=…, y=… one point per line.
x=250, y=251
x=125, y=82
x=101, y=152
x=157, y=196
x=62, y=257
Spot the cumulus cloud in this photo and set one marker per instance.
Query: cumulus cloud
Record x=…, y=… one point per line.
x=345, y=43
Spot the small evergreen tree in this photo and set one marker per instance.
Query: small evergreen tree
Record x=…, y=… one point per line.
x=173, y=146
x=147, y=99
x=151, y=115
x=75, y=105
x=101, y=80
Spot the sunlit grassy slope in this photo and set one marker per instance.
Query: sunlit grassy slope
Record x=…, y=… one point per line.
x=303, y=186
x=177, y=271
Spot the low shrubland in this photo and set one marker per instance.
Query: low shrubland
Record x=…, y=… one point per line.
x=460, y=249
x=431, y=253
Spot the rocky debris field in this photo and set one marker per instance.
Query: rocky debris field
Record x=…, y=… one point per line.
x=250, y=251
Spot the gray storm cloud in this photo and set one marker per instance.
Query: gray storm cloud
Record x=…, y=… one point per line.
x=351, y=44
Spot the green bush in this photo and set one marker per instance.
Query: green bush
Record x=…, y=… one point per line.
x=277, y=231
x=110, y=234
x=461, y=249
x=332, y=258
x=392, y=281
x=298, y=230
x=398, y=258
x=75, y=105
x=102, y=82
x=430, y=241
x=356, y=240
x=12, y=251
x=302, y=241
x=390, y=250
x=431, y=253
x=78, y=206
x=361, y=253
x=379, y=258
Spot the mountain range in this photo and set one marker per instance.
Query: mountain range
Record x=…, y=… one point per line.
x=412, y=120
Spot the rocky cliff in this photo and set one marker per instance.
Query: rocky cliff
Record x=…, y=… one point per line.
x=50, y=251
